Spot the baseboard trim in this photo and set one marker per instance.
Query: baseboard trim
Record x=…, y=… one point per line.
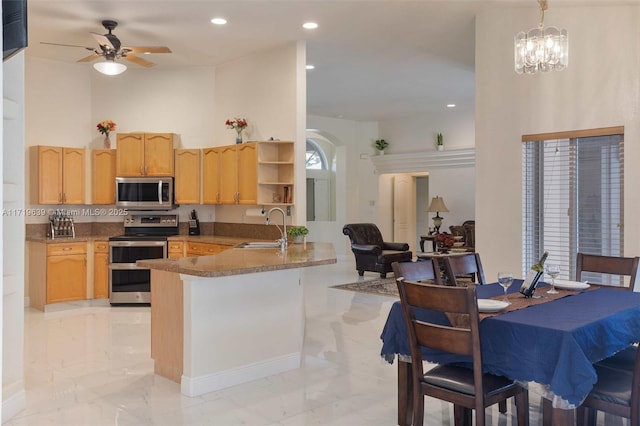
x=195, y=386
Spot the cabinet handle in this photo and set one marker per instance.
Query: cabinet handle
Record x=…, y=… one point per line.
x=210, y=249
x=145, y=170
x=142, y=170
x=66, y=248
x=64, y=197
x=60, y=197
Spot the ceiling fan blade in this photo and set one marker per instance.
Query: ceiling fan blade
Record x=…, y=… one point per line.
x=148, y=49
x=102, y=40
x=66, y=45
x=138, y=60
x=89, y=58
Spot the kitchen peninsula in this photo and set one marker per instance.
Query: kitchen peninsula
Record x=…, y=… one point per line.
x=218, y=321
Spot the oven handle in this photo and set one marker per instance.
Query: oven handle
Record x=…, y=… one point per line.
x=137, y=243
x=160, y=191
x=124, y=266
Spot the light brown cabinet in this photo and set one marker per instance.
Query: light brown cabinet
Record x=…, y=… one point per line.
x=57, y=272
x=144, y=154
x=204, y=249
x=238, y=174
x=103, y=176
x=101, y=270
x=176, y=249
x=57, y=175
x=187, y=179
x=211, y=175
x=276, y=174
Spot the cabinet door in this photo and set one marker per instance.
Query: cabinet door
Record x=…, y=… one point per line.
x=103, y=176
x=66, y=278
x=210, y=176
x=73, y=175
x=187, y=183
x=228, y=174
x=101, y=270
x=130, y=154
x=247, y=174
x=46, y=163
x=158, y=154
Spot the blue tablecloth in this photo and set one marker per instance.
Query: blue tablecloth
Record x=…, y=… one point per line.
x=554, y=343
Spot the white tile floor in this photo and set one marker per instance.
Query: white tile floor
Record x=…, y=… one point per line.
x=92, y=366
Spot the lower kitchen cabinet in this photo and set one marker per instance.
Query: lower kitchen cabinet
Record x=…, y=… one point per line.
x=57, y=272
x=205, y=249
x=176, y=249
x=101, y=270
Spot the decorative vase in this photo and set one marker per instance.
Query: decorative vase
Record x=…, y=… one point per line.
x=239, y=137
x=381, y=152
x=440, y=147
x=106, y=144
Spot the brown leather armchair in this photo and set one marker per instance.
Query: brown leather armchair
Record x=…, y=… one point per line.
x=371, y=252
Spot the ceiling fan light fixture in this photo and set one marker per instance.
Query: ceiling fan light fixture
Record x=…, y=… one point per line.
x=110, y=67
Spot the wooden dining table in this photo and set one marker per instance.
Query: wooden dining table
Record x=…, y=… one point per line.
x=551, y=342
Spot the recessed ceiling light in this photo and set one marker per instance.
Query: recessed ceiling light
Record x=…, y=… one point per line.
x=310, y=67
x=219, y=21
x=451, y=105
x=309, y=25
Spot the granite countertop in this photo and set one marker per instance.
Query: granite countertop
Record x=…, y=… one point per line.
x=212, y=239
x=239, y=261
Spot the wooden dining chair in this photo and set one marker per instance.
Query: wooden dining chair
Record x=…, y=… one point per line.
x=466, y=265
x=421, y=270
x=616, y=392
x=610, y=265
x=467, y=388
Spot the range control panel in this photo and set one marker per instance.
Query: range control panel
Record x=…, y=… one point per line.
x=151, y=220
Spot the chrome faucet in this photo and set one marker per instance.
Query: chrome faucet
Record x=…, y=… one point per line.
x=283, y=240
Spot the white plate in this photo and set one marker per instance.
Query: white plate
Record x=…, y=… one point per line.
x=458, y=250
x=571, y=285
x=491, y=305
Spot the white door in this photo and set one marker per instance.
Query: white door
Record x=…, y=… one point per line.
x=404, y=207
x=322, y=199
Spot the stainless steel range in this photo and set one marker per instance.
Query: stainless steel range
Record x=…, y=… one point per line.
x=145, y=237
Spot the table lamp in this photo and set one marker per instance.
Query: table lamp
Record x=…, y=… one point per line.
x=437, y=205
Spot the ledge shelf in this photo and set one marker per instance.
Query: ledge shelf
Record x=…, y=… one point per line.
x=423, y=161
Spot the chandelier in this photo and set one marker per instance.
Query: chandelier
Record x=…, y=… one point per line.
x=541, y=49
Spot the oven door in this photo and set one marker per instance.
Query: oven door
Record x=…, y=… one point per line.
x=144, y=193
x=129, y=283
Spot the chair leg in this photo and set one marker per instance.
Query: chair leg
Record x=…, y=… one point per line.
x=547, y=408
x=361, y=272
x=461, y=416
x=522, y=407
x=418, y=407
x=502, y=406
x=383, y=275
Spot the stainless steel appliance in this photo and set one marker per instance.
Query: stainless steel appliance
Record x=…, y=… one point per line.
x=145, y=237
x=145, y=193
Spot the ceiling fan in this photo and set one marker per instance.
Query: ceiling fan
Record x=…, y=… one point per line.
x=110, y=48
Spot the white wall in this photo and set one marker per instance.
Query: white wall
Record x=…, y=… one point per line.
x=600, y=88
x=12, y=232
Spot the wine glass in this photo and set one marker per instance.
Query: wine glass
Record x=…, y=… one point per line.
x=505, y=279
x=553, y=271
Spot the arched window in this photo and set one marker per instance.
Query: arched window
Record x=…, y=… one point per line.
x=315, y=158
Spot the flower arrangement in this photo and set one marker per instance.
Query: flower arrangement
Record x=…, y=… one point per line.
x=106, y=126
x=445, y=240
x=237, y=124
x=297, y=231
x=381, y=144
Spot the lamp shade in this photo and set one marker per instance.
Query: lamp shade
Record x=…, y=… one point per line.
x=437, y=205
x=110, y=67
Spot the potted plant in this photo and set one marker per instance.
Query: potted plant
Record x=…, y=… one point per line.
x=381, y=145
x=439, y=142
x=297, y=233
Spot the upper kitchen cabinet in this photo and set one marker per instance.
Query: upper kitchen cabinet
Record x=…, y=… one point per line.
x=103, y=176
x=211, y=175
x=144, y=154
x=275, y=172
x=238, y=174
x=57, y=175
x=187, y=182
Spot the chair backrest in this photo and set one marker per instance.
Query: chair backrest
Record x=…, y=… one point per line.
x=421, y=270
x=469, y=233
x=464, y=264
x=610, y=265
x=363, y=233
x=462, y=338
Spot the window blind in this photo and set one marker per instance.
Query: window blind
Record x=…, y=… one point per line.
x=572, y=192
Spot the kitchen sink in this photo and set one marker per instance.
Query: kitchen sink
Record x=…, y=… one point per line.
x=259, y=244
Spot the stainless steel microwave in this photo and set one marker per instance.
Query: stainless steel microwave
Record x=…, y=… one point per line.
x=145, y=193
